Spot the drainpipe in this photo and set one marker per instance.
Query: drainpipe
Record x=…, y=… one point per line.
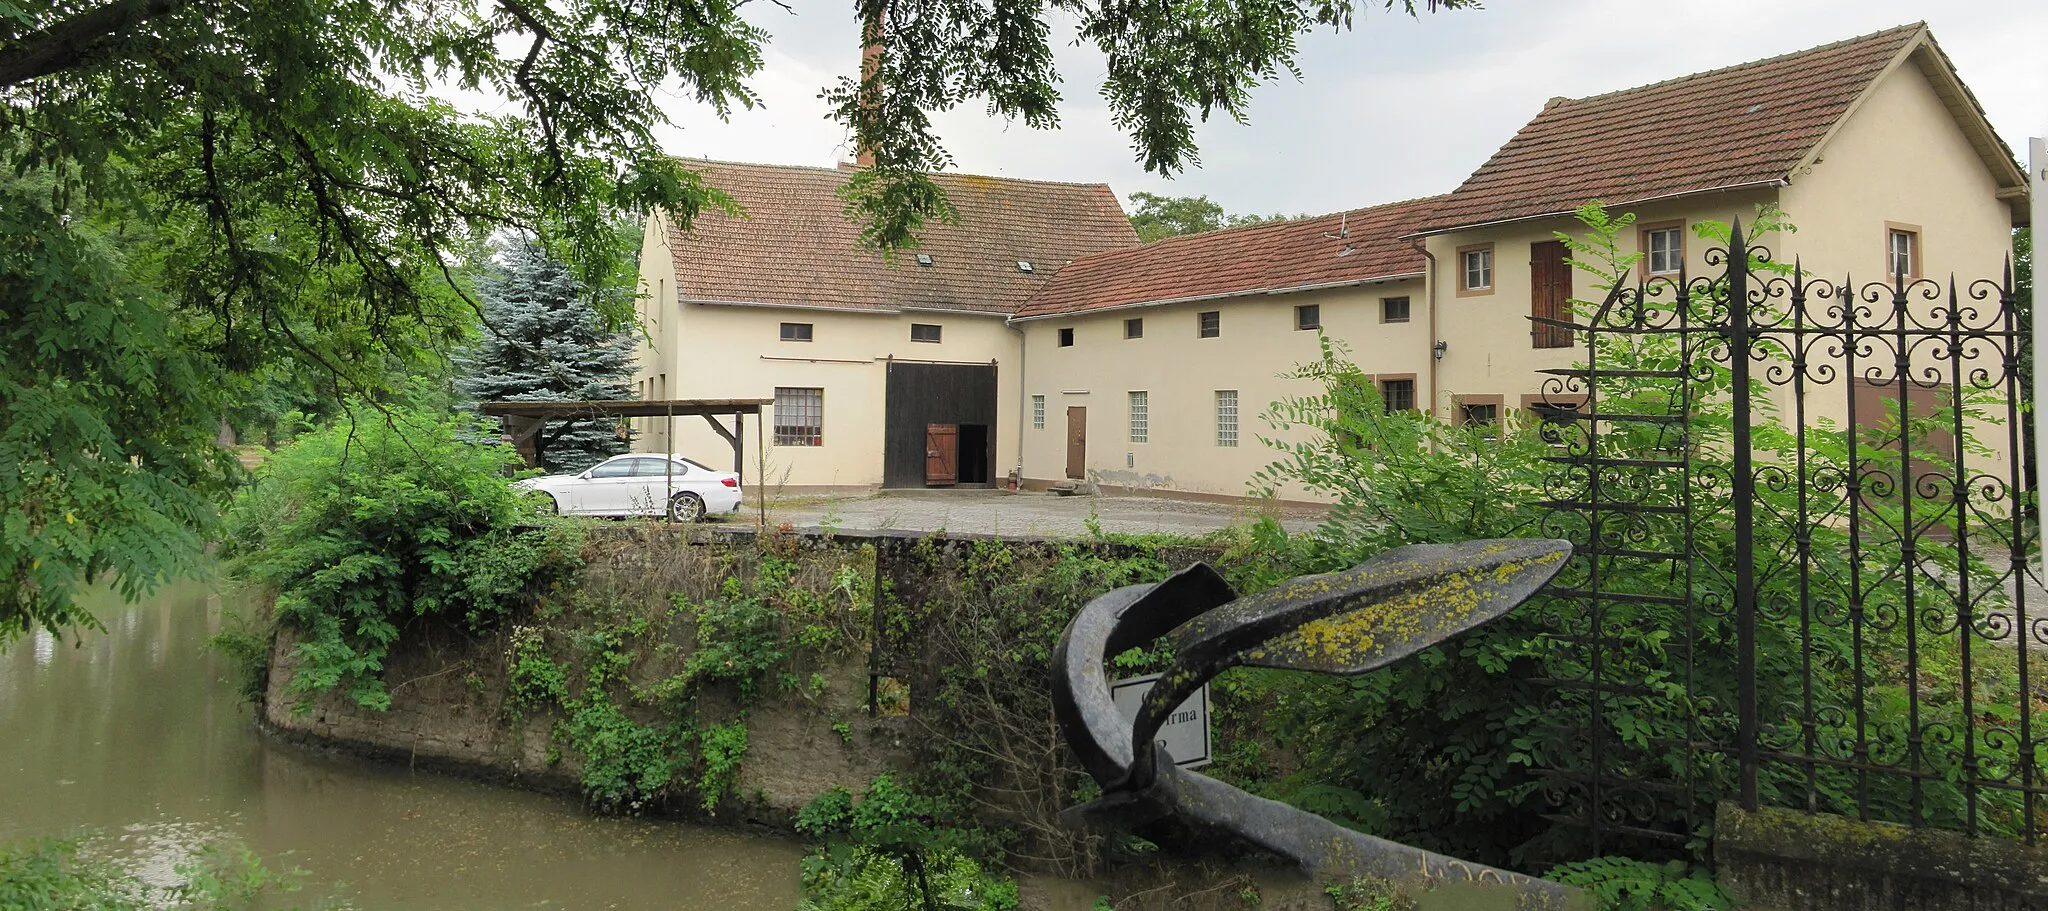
x=1429, y=300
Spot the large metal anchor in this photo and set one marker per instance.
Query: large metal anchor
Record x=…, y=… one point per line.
x=1349, y=622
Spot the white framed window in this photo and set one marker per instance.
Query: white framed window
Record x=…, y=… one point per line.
x=1902, y=251
x=1475, y=269
x=1038, y=412
x=799, y=416
x=1141, y=418
x=1226, y=418
x=1663, y=250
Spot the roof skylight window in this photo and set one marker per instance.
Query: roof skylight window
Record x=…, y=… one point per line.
x=1024, y=265
x=924, y=259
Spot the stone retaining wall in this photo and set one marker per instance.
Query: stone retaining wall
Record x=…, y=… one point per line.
x=1783, y=859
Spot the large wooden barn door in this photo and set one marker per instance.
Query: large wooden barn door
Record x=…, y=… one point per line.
x=941, y=455
x=1077, y=442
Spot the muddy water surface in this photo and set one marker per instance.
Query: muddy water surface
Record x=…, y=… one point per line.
x=136, y=733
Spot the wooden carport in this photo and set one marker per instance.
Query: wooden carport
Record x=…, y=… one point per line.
x=525, y=421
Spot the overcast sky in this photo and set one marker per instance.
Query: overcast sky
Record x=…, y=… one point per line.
x=1395, y=108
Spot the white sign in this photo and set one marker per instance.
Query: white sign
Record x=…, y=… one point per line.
x=1186, y=731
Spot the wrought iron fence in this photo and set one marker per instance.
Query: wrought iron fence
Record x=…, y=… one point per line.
x=1804, y=530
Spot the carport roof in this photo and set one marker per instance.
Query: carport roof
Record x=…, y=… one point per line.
x=624, y=408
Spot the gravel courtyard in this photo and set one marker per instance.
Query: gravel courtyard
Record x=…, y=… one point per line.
x=1021, y=513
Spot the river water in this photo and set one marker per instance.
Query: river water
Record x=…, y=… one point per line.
x=136, y=734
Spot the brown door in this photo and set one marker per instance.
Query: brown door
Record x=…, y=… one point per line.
x=941, y=454
x=1077, y=442
x=1550, y=288
x=1932, y=448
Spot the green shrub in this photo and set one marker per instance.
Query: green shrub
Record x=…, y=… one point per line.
x=385, y=520
x=881, y=850
x=1627, y=884
x=247, y=650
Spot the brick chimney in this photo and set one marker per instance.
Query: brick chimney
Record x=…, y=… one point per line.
x=870, y=74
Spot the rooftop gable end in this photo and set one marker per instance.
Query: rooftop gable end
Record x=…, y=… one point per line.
x=1659, y=141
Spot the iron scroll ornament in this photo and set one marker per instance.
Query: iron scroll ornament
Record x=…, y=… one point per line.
x=1348, y=623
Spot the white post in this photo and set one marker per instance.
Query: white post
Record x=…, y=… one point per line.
x=2037, y=182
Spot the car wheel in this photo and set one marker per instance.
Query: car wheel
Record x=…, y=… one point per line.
x=685, y=507
x=552, y=505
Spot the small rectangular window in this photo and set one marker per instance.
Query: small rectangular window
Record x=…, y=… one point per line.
x=1398, y=395
x=1209, y=324
x=1141, y=421
x=796, y=332
x=1134, y=328
x=1902, y=252
x=1308, y=316
x=1475, y=269
x=1038, y=412
x=799, y=416
x=1482, y=412
x=1226, y=418
x=1663, y=250
x=1067, y=338
x=924, y=332
x=1393, y=309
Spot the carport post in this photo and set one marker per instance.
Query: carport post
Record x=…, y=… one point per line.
x=668, y=459
x=739, y=443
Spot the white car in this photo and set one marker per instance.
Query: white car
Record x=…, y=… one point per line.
x=642, y=484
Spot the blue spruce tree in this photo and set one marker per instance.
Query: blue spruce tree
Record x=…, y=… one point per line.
x=543, y=341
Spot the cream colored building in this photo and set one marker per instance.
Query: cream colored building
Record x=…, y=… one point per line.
x=863, y=355
x=1863, y=144
x=1151, y=369
x=1148, y=368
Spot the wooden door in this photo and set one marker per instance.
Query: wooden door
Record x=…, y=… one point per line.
x=1550, y=289
x=1077, y=442
x=941, y=455
x=1930, y=463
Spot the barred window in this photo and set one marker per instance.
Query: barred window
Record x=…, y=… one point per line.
x=799, y=416
x=1308, y=316
x=1038, y=412
x=1141, y=422
x=1398, y=395
x=1226, y=417
x=1209, y=324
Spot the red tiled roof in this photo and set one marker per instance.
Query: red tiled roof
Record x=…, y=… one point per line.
x=1275, y=256
x=795, y=245
x=1742, y=125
